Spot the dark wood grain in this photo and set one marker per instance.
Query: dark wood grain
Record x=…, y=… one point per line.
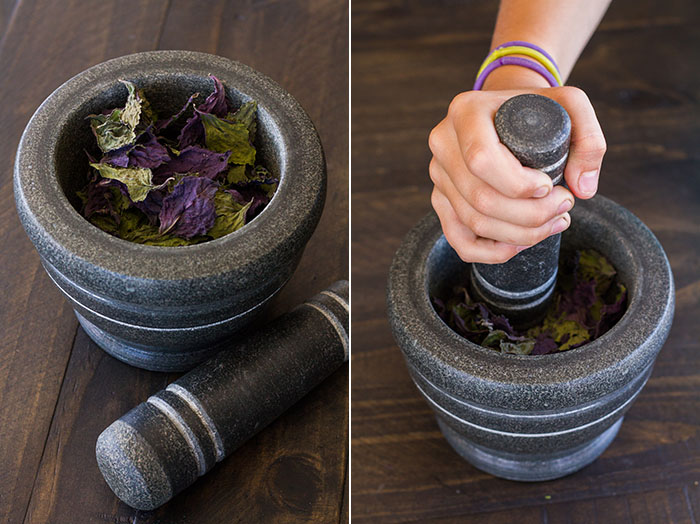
x=58, y=389
x=39, y=54
x=7, y=7
x=409, y=59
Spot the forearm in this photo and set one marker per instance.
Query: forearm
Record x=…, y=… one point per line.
x=562, y=27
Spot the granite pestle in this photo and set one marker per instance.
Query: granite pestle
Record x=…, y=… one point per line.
x=163, y=445
x=537, y=130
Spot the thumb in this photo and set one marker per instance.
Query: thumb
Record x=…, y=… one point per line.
x=587, y=142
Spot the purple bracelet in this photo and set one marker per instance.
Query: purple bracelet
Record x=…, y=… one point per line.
x=514, y=60
x=531, y=46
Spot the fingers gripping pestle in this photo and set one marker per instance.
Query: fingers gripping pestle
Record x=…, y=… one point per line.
x=537, y=130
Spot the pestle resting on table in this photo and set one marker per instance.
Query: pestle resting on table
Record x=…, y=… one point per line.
x=164, y=444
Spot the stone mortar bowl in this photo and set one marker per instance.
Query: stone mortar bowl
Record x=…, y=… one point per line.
x=166, y=308
x=533, y=418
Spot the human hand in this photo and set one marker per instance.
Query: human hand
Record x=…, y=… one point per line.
x=490, y=206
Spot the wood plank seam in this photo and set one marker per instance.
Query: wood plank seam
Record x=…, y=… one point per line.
x=10, y=23
x=50, y=425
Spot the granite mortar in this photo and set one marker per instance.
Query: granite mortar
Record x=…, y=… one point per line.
x=523, y=417
x=166, y=308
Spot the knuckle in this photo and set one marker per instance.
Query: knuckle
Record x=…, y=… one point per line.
x=481, y=200
x=574, y=94
x=538, y=217
x=477, y=223
x=463, y=252
x=459, y=102
x=518, y=187
x=501, y=257
x=476, y=159
x=592, y=145
x=435, y=201
x=434, y=139
x=433, y=171
x=535, y=235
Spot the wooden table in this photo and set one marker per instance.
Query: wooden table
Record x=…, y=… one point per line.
x=410, y=57
x=58, y=389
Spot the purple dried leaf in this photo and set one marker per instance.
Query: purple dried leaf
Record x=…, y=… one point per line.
x=152, y=205
x=502, y=323
x=216, y=103
x=98, y=200
x=578, y=303
x=192, y=133
x=544, y=344
x=245, y=195
x=189, y=209
x=118, y=157
x=194, y=159
x=148, y=153
x=439, y=306
x=611, y=313
x=162, y=124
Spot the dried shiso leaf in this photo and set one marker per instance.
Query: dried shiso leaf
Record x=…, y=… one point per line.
x=222, y=136
x=230, y=214
x=189, y=208
x=159, y=184
x=117, y=128
x=588, y=300
x=137, y=180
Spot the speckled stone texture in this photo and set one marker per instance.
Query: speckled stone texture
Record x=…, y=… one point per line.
x=163, y=445
x=533, y=417
x=537, y=130
x=166, y=308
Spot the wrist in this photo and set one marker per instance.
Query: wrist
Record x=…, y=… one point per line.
x=514, y=77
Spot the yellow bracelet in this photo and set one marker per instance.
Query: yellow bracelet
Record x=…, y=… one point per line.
x=521, y=50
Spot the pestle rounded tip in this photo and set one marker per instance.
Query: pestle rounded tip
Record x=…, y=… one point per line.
x=536, y=129
x=131, y=467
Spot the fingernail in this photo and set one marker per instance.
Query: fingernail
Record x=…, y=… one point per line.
x=565, y=206
x=588, y=182
x=521, y=248
x=559, y=225
x=541, y=192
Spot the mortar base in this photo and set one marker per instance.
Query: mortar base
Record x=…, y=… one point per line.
x=150, y=358
x=530, y=468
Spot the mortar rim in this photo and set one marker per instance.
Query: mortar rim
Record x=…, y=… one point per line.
x=66, y=239
x=590, y=371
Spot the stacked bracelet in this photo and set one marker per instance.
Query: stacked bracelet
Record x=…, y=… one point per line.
x=539, y=60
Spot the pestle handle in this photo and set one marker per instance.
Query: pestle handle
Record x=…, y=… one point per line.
x=537, y=130
x=164, y=444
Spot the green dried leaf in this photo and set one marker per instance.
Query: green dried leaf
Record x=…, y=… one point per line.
x=222, y=136
x=269, y=189
x=230, y=215
x=594, y=266
x=137, y=180
x=236, y=175
x=111, y=132
x=566, y=333
x=116, y=129
x=134, y=227
x=146, y=108
x=105, y=223
x=246, y=116
x=518, y=348
x=131, y=114
x=493, y=339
